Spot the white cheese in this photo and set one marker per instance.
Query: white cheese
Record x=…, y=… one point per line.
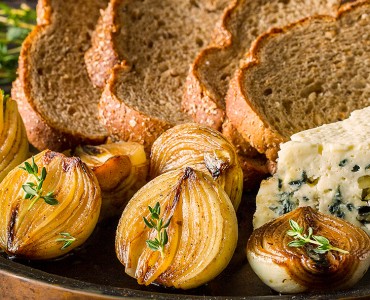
x=327, y=168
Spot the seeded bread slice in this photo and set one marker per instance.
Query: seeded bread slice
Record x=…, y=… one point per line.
x=313, y=72
x=56, y=99
x=209, y=76
x=154, y=42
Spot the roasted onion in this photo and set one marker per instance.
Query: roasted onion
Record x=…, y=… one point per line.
x=121, y=169
x=13, y=137
x=289, y=269
x=202, y=232
x=201, y=148
x=38, y=230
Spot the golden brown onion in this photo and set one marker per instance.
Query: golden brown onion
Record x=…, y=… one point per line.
x=121, y=169
x=13, y=138
x=202, y=234
x=33, y=231
x=288, y=269
x=201, y=148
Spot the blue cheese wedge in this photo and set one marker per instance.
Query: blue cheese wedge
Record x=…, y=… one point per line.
x=327, y=168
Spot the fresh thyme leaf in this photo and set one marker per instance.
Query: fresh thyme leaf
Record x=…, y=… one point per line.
x=43, y=173
x=321, y=239
x=164, y=237
x=294, y=225
x=301, y=239
x=67, y=238
x=297, y=244
x=28, y=168
x=29, y=189
x=50, y=199
x=155, y=222
x=33, y=191
x=147, y=223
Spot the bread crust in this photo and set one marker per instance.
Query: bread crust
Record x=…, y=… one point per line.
x=249, y=122
x=127, y=123
x=41, y=132
x=102, y=56
x=199, y=102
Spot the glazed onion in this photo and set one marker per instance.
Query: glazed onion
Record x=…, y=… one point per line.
x=202, y=233
x=121, y=169
x=13, y=138
x=34, y=232
x=288, y=269
x=201, y=148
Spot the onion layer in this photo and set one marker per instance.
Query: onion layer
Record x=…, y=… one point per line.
x=201, y=148
x=121, y=169
x=291, y=270
x=202, y=234
x=34, y=232
x=13, y=137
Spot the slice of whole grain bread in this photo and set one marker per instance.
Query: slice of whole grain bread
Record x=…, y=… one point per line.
x=309, y=73
x=152, y=43
x=241, y=23
x=56, y=98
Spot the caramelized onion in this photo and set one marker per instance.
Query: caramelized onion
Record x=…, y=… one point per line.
x=288, y=269
x=202, y=233
x=33, y=231
x=13, y=138
x=121, y=169
x=201, y=148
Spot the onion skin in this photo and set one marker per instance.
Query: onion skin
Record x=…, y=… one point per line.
x=121, y=169
x=203, y=149
x=13, y=138
x=202, y=233
x=33, y=233
x=292, y=270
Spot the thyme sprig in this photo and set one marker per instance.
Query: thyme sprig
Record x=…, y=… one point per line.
x=15, y=24
x=34, y=191
x=158, y=224
x=301, y=239
x=67, y=239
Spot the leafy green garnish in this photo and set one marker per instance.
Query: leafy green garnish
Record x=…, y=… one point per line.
x=301, y=239
x=33, y=190
x=67, y=238
x=158, y=224
x=15, y=24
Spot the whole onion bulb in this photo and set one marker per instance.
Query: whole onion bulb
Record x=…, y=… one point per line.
x=202, y=232
x=289, y=269
x=39, y=230
x=201, y=148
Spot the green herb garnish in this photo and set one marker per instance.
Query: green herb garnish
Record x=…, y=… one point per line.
x=302, y=239
x=67, y=238
x=33, y=190
x=154, y=222
x=15, y=24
